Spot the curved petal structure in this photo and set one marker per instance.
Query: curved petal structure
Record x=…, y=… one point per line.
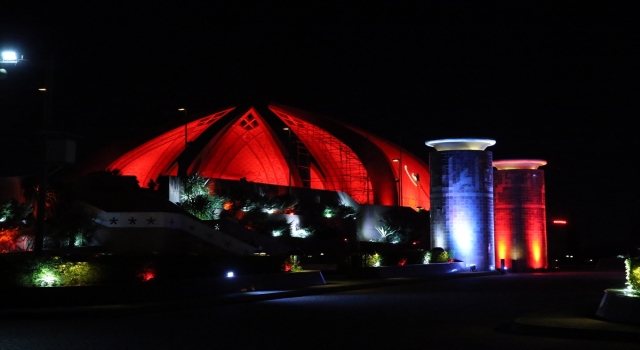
x=317, y=152
x=247, y=149
x=158, y=155
x=412, y=173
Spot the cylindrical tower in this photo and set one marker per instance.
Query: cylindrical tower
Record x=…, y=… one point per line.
x=520, y=214
x=462, y=200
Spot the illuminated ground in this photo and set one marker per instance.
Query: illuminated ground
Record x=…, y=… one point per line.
x=458, y=313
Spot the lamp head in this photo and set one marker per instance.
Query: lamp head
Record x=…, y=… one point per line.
x=9, y=57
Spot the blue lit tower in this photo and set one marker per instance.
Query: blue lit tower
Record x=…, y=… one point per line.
x=462, y=200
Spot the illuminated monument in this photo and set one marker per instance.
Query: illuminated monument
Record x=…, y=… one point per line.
x=275, y=145
x=272, y=150
x=462, y=200
x=289, y=148
x=520, y=214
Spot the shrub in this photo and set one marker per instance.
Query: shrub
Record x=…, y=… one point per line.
x=200, y=206
x=393, y=230
x=73, y=226
x=439, y=255
x=255, y=220
x=14, y=211
x=16, y=239
x=195, y=185
x=387, y=230
x=341, y=211
x=197, y=198
x=633, y=274
x=303, y=232
x=278, y=204
x=279, y=227
x=373, y=260
x=58, y=272
x=25, y=270
x=292, y=264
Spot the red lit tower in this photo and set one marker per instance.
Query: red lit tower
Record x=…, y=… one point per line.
x=520, y=214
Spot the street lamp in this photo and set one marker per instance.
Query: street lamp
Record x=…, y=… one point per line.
x=290, y=162
x=7, y=57
x=185, y=127
x=182, y=163
x=11, y=57
x=399, y=179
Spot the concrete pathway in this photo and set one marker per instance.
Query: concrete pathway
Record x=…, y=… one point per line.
x=576, y=319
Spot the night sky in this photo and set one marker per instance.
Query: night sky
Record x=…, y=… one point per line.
x=546, y=81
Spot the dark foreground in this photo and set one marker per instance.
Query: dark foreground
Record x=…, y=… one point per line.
x=475, y=312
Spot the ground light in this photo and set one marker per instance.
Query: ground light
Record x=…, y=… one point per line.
x=260, y=252
x=147, y=275
x=46, y=278
x=8, y=57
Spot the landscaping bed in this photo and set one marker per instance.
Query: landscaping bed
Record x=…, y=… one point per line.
x=28, y=280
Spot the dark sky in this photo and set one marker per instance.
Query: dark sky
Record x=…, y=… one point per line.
x=548, y=81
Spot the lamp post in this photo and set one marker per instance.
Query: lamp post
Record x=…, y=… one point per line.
x=38, y=239
x=399, y=179
x=7, y=57
x=11, y=57
x=184, y=110
x=290, y=162
x=182, y=163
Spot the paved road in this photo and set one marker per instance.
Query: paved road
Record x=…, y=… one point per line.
x=474, y=312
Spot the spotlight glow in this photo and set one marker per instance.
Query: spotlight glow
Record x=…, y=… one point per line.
x=48, y=278
x=462, y=232
x=9, y=56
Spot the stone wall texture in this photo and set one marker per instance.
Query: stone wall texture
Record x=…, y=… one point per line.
x=520, y=219
x=462, y=205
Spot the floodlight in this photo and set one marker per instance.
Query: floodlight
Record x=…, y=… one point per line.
x=9, y=56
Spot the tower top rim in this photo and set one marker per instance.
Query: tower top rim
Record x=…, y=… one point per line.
x=460, y=144
x=512, y=164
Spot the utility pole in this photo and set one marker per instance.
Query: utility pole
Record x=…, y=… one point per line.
x=186, y=124
x=38, y=239
x=289, y=156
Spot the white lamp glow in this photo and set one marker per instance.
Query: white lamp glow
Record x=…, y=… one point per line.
x=9, y=56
